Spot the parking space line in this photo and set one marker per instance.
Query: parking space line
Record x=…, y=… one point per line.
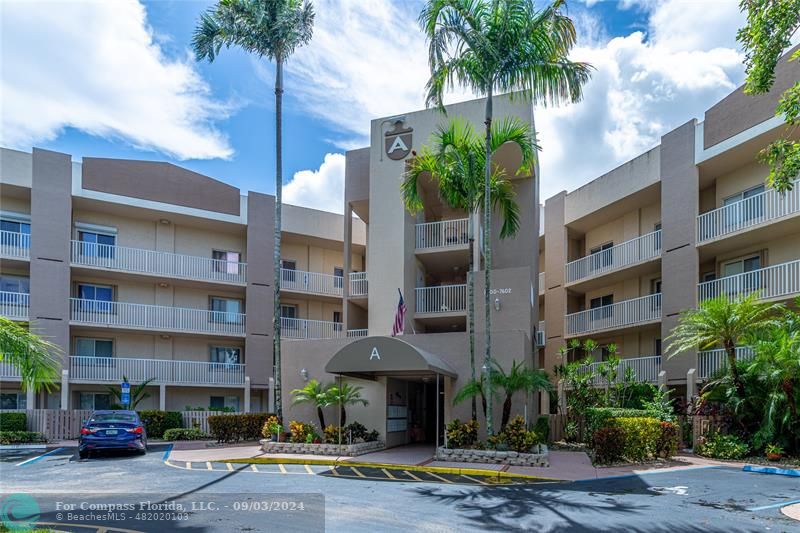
x=412, y=476
x=388, y=474
x=282, y=468
x=438, y=477
x=474, y=480
x=773, y=506
x=230, y=467
x=334, y=471
x=167, y=452
x=188, y=465
x=308, y=469
x=357, y=472
x=208, y=465
x=253, y=467
x=34, y=459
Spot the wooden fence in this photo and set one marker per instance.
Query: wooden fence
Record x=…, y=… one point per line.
x=199, y=419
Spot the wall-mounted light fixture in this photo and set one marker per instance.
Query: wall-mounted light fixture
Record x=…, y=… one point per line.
x=304, y=373
x=163, y=285
x=164, y=221
x=497, y=304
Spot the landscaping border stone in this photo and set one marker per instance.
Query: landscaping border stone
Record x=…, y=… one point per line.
x=459, y=455
x=350, y=450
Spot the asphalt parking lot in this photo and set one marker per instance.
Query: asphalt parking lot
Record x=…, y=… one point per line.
x=703, y=499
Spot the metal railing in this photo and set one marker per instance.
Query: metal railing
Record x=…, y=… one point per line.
x=9, y=371
x=442, y=299
x=14, y=305
x=442, y=234
x=113, y=369
x=623, y=255
x=301, y=328
x=645, y=369
x=359, y=285
x=154, y=262
x=14, y=244
x=156, y=317
x=709, y=362
x=619, y=315
x=541, y=338
x=776, y=281
x=541, y=283
x=357, y=332
x=311, y=282
x=760, y=208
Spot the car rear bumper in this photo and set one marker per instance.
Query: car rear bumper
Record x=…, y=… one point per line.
x=101, y=444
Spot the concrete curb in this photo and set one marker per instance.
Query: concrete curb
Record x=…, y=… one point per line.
x=772, y=470
x=394, y=466
x=23, y=446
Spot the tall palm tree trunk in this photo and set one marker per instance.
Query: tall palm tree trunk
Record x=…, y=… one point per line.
x=487, y=262
x=730, y=351
x=471, y=303
x=321, y=417
x=276, y=253
x=506, y=413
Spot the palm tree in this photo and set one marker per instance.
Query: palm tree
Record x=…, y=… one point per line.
x=316, y=394
x=472, y=389
x=519, y=379
x=138, y=393
x=454, y=161
x=721, y=321
x=503, y=46
x=343, y=395
x=32, y=356
x=271, y=29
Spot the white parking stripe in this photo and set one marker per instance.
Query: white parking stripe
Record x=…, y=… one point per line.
x=32, y=459
x=230, y=466
x=308, y=469
x=254, y=468
x=208, y=465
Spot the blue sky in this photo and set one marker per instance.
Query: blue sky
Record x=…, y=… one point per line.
x=134, y=91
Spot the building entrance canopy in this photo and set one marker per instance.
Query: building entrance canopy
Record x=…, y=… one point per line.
x=386, y=356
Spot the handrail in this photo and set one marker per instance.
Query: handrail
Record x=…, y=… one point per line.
x=302, y=329
x=442, y=299
x=621, y=314
x=114, y=369
x=442, y=234
x=775, y=281
x=711, y=361
x=15, y=305
x=15, y=244
x=311, y=282
x=359, y=286
x=631, y=252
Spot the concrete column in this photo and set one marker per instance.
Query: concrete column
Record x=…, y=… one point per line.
x=65, y=389
x=162, y=397
x=662, y=380
x=555, y=300
x=544, y=402
x=691, y=384
x=347, y=266
x=247, y=394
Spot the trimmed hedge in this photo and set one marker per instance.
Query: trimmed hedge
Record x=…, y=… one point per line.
x=21, y=437
x=233, y=428
x=609, y=445
x=542, y=428
x=157, y=422
x=185, y=434
x=600, y=417
x=13, y=421
x=641, y=437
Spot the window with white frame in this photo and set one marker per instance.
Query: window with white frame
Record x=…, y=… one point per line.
x=94, y=400
x=15, y=230
x=224, y=402
x=753, y=208
x=96, y=241
x=601, y=256
x=226, y=354
x=18, y=284
x=89, y=347
x=95, y=297
x=226, y=261
x=13, y=400
x=227, y=310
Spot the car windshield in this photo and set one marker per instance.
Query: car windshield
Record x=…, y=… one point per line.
x=113, y=417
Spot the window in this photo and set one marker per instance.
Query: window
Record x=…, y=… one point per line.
x=221, y=402
x=13, y=400
x=226, y=310
x=95, y=400
x=655, y=286
x=86, y=347
x=288, y=311
x=601, y=256
x=225, y=354
x=96, y=297
x=709, y=276
x=288, y=268
x=15, y=284
x=657, y=346
x=337, y=321
x=744, y=212
x=226, y=262
x=338, y=272
x=657, y=239
x=601, y=307
x=745, y=266
x=95, y=244
x=16, y=230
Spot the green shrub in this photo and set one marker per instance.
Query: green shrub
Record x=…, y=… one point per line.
x=641, y=437
x=609, y=445
x=462, y=435
x=355, y=431
x=600, y=417
x=13, y=422
x=517, y=437
x=157, y=422
x=233, y=428
x=302, y=432
x=372, y=436
x=272, y=426
x=542, y=428
x=331, y=435
x=185, y=434
x=718, y=446
x=21, y=437
x=667, y=443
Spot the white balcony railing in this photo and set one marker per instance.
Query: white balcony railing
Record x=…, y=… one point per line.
x=709, y=362
x=619, y=315
x=541, y=338
x=541, y=283
x=764, y=207
x=9, y=371
x=355, y=333
x=442, y=234
x=15, y=245
x=156, y=317
x=157, y=263
x=776, y=281
x=358, y=284
x=617, y=257
x=644, y=369
x=301, y=328
x=114, y=369
x=311, y=282
x=443, y=299
x=14, y=305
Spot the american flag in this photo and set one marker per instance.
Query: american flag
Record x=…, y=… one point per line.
x=399, y=317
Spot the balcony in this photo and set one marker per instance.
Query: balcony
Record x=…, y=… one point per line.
x=14, y=305
x=710, y=362
x=156, y=318
x=771, y=283
x=311, y=282
x=9, y=371
x=622, y=256
x=757, y=210
x=114, y=369
x=442, y=300
x=151, y=262
x=359, y=287
x=541, y=338
x=357, y=333
x=625, y=314
x=15, y=245
x=644, y=369
x=302, y=329
x=442, y=235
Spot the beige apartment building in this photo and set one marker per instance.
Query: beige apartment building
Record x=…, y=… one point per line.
x=148, y=270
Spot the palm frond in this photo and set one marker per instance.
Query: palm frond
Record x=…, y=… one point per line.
x=36, y=359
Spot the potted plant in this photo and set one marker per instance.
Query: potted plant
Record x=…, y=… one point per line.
x=774, y=452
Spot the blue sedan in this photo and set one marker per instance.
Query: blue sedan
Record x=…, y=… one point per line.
x=112, y=430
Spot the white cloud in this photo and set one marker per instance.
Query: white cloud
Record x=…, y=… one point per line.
x=98, y=67
x=322, y=188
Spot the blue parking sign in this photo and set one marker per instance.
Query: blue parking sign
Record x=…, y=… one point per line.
x=125, y=397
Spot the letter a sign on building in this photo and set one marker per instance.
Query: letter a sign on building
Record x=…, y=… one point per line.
x=375, y=354
x=398, y=141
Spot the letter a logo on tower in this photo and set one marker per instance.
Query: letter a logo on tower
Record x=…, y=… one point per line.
x=375, y=354
x=398, y=141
